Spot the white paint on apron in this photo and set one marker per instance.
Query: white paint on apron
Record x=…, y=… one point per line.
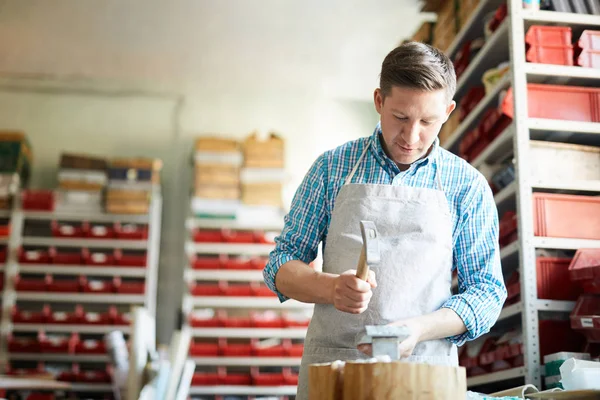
x=413, y=278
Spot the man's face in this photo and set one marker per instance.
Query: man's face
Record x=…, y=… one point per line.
x=410, y=121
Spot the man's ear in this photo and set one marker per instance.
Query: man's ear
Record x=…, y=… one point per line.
x=449, y=110
x=378, y=99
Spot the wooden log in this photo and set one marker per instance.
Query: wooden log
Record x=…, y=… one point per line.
x=406, y=381
x=325, y=381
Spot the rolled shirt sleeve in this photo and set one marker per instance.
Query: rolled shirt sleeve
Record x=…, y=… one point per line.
x=304, y=226
x=482, y=291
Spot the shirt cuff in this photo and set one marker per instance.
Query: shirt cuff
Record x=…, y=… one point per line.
x=463, y=309
x=271, y=269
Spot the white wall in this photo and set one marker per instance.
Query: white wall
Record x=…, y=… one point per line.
x=304, y=69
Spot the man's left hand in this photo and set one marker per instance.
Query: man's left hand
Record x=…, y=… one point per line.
x=407, y=346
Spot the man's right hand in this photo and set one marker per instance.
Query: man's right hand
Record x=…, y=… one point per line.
x=352, y=294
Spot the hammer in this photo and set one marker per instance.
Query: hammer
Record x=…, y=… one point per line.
x=369, y=253
x=384, y=338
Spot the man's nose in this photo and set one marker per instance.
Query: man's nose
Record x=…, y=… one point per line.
x=411, y=133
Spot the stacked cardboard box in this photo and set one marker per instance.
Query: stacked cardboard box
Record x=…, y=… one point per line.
x=131, y=184
x=263, y=174
x=81, y=181
x=217, y=168
x=424, y=34
x=465, y=9
x=446, y=26
x=15, y=165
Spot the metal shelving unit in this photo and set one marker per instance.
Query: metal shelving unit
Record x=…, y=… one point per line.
x=508, y=43
x=237, y=305
x=11, y=296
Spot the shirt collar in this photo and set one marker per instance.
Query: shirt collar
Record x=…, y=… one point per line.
x=383, y=158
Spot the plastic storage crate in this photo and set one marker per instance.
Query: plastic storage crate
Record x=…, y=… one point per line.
x=585, y=269
x=570, y=103
x=585, y=317
x=566, y=216
x=589, y=40
x=540, y=35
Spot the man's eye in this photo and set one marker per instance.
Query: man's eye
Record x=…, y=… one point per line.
x=426, y=122
x=401, y=118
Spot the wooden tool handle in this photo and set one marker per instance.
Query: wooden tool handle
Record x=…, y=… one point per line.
x=362, y=270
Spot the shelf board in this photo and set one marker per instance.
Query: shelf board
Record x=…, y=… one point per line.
x=493, y=52
x=561, y=74
x=248, y=361
x=229, y=248
x=58, y=357
x=559, y=125
x=56, y=297
x=474, y=116
x=555, y=305
x=497, y=150
x=86, y=216
x=285, y=333
x=244, y=390
x=91, y=387
x=565, y=244
x=245, y=302
x=210, y=223
x=560, y=17
x=225, y=275
x=496, y=377
x=570, y=186
x=89, y=243
x=82, y=270
x=100, y=329
x=474, y=26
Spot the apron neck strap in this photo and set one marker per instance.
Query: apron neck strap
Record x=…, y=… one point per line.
x=351, y=175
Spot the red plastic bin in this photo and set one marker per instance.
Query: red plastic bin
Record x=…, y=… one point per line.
x=205, y=379
x=290, y=378
x=94, y=377
x=205, y=289
x=499, y=16
x=128, y=287
x=542, y=35
x=271, y=351
x=30, y=284
x=571, y=103
x=207, y=235
x=68, y=230
x=268, y=378
x=266, y=320
x=470, y=101
x=100, y=231
x=62, y=285
x=98, y=258
x=57, y=343
x=38, y=200
x=239, y=263
x=235, y=379
x=90, y=346
x=4, y=231
x=294, y=321
x=585, y=268
x=589, y=40
x=230, y=236
x=493, y=123
x=507, y=228
x=3, y=254
x=585, y=318
x=95, y=318
x=294, y=350
x=131, y=231
x=566, y=216
x=204, y=349
x=588, y=59
x=23, y=344
x=233, y=322
x=66, y=257
x=130, y=259
x=37, y=256
x=237, y=290
x=206, y=262
x=557, y=55
x=553, y=279
x=201, y=319
x=262, y=291
x=236, y=349
x=64, y=317
x=97, y=286
x=30, y=317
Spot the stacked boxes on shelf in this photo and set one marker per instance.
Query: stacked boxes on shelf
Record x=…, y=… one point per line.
x=217, y=165
x=587, y=49
x=446, y=26
x=81, y=181
x=131, y=184
x=263, y=174
x=15, y=165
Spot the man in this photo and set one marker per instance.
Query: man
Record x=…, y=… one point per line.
x=434, y=213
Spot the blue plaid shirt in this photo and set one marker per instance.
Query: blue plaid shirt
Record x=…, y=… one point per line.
x=475, y=222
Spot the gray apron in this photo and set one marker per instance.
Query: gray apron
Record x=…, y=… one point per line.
x=413, y=278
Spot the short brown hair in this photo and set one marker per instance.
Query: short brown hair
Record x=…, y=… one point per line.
x=418, y=66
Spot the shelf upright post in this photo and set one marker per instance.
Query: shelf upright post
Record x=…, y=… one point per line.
x=9, y=294
x=153, y=247
x=527, y=259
